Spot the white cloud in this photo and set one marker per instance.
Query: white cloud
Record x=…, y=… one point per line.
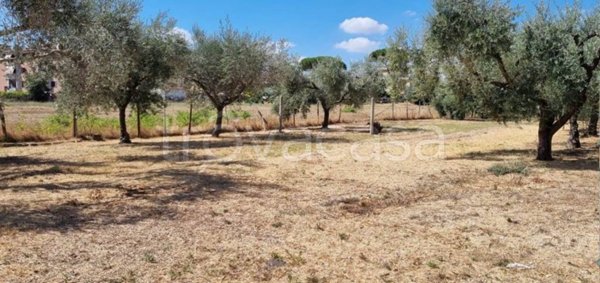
x=358, y=45
x=185, y=34
x=410, y=13
x=363, y=26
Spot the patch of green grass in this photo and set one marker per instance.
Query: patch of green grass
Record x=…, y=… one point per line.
x=15, y=95
x=349, y=109
x=199, y=117
x=237, y=114
x=433, y=264
x=510, y=168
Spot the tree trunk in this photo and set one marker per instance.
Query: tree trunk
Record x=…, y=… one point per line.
x=219, y=123
x=593, y=126
x=573, y=141
x=3, y=122
x=139, y=121
x=393, y=114
x=544, y=149
x=190, y=117
x=75, y=128
x=325, y=124
x=123, y=125
x=340, y=115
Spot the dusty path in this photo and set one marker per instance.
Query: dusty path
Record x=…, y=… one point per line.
x=338, y=210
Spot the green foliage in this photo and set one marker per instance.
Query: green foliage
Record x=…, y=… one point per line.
x=349, y=109
x=149, y=121
x=311, y=62
x=199, y=117
x=37, y=85
x=15, y=95
x=61, y=123
x=505, y=169
x=543, y=67
x=238, y=115
x=228, y=64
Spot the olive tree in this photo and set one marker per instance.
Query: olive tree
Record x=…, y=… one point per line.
x=327, y=82
x=227, y=66
x=149, y=52
x=542, y=68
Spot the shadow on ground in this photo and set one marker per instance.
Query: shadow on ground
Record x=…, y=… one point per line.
x=94, y=201
x=583, y=159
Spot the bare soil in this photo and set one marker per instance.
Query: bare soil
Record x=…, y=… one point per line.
x=307, y=206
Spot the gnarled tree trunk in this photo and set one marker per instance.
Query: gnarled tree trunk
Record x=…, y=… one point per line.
x=218, y=123
x=545, y=134
x=125, y=138
x=325, y=124
x=573, y=141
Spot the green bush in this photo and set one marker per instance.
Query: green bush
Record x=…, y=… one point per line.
x=55, y=124
x=238, y=114
x=17, y=95
x=148, y=121
x=38, y=89
x=349, y=109
x=504, y=169
x=199, y=117
x=94, y=124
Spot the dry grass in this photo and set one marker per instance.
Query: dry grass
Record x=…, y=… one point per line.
x=100, y=212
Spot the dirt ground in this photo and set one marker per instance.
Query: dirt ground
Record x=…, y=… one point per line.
x=416, y=204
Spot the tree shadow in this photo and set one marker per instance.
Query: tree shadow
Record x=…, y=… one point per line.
x=582, y=159
x=129, y=200
x=21, y=167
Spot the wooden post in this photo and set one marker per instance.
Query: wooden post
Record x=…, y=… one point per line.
x=139, y=121
x=191, y=117
x=75, y=128
x=281, y=113
x=372, y=116
x=264, y=121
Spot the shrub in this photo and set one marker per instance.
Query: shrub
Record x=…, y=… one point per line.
x=504, y=169
x=17, y=95
x=38, y=89
x=349, y=109
x=199, y=117
x=238, y=114
x=148, y=121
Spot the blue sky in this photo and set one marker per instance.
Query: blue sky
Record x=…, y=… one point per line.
x=345, y=28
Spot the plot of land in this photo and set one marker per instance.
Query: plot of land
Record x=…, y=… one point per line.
x=308, y=206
